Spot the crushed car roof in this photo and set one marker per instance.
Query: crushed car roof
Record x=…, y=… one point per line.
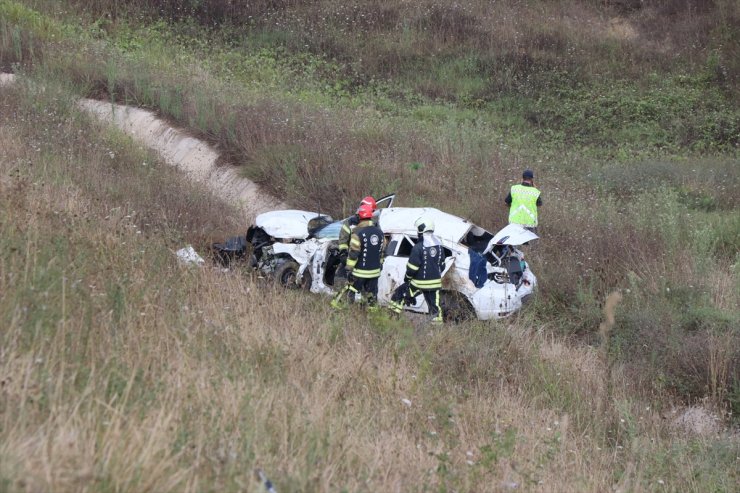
x=402, y=219
x=293, y=224
x=290, y=224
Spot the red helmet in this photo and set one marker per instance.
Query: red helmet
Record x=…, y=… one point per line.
x=365, y=211
x=369, y=201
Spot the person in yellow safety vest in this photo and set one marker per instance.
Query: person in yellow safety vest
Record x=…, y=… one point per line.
x=523, y=201
x=423, y=272
x=364, y=260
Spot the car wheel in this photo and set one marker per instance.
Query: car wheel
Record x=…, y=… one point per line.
x=455, y=307
x=286, y=274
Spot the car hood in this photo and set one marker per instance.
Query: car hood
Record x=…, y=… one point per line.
x=290, y=224
x=513, y=235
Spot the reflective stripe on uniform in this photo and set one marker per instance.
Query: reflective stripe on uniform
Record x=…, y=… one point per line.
x=427, y=284
x=410, y=266
x=365, y=274
x=438, y=318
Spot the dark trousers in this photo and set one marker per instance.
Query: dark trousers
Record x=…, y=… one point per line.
x=406, y=293
x=364, y=286
x=432, y=298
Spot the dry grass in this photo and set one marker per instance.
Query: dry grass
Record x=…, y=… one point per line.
x=387, y=38
x=121, y=370
x=601, y=233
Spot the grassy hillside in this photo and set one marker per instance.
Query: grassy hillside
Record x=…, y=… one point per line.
x=124, y=371
x=627, y=111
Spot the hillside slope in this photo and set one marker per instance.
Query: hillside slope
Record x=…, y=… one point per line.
x=122, y=370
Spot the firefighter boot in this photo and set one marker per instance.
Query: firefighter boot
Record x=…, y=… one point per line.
x=395, y=307
x=338, y=302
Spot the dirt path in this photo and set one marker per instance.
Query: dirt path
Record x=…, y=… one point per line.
x=192, y=156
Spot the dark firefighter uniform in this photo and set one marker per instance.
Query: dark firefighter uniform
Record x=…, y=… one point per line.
x=337, y=263
x=365, y=260
x=345, y=233
x=423, y=275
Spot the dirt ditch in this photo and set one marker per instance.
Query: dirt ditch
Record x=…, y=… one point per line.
x=190, y=155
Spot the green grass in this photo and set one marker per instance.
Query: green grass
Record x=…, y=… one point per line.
x=640, y=178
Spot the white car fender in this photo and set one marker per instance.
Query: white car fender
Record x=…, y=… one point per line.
x=300, y=252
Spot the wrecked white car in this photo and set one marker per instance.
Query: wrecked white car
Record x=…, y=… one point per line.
x=485, y=274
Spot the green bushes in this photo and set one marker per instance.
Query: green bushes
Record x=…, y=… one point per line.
x=445, y=105
x=671, y=115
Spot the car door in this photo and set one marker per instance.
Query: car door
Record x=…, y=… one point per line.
x=394, y=269
x=385, y=202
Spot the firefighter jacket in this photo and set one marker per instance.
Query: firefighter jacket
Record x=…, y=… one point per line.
x=524, y=202
x=426, y=264
x=366, y=247
x=346, y=232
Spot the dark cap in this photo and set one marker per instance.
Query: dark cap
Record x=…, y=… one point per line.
x=528, y=174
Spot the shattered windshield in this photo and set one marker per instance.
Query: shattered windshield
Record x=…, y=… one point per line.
x=329, y=232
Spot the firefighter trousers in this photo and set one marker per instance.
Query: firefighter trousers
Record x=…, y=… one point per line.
x=406, y=294
x=367, y=289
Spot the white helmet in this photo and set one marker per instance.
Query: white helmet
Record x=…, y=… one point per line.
x=424, y=225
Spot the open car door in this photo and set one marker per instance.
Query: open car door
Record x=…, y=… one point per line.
x=385, y=202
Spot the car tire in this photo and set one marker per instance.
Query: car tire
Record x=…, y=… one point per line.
x=455, y=307
x=287, y=272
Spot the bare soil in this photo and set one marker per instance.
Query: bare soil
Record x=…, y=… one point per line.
x=190, y=155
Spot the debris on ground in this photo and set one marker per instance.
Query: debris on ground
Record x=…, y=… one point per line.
x=188, y=255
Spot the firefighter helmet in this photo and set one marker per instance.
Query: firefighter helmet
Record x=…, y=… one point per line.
x=424, y=224
x=369, y=200
x=365, y=211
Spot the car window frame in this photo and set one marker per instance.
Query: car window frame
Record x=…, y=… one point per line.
x=388, y=198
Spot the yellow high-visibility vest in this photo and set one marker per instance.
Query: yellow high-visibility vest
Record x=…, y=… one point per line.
x=523, y=205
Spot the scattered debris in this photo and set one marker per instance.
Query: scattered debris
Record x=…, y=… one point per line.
x=188, y=255
x=262, y=478
x=6, y=79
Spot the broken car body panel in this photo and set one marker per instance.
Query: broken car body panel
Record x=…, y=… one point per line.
x=513, y=235
x=288, y=225
x=506, y=281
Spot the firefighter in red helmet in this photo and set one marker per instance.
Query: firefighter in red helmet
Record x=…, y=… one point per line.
x=364, y=259
x=349, y=224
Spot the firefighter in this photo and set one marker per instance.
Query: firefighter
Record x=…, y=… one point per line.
x=364, y=259
x=336, y=264
x=348, y=225
x=423, y=272
x=523, y=201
